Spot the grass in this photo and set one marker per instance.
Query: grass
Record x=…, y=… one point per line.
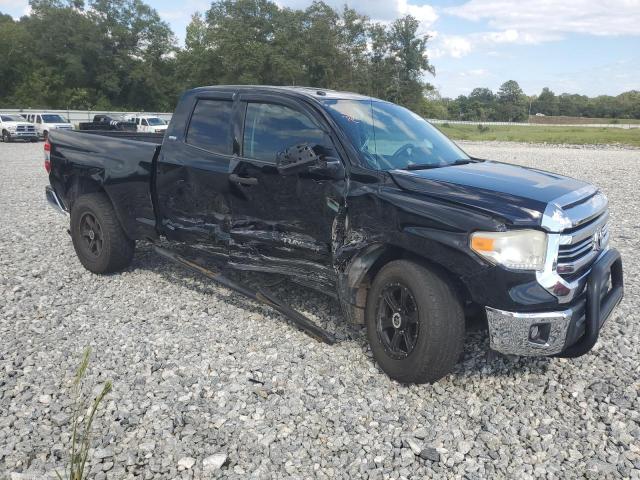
x=83, y=415
x=559, y=120
x=567, y=135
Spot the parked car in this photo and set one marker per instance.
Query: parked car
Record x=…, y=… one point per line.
x=105, y=123
x=148, y=124
x=13, y=126
x=45, y=122
x=361, y=199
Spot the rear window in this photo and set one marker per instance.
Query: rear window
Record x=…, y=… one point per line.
x=210, y=126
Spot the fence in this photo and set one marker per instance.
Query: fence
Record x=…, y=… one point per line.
x=77, y=116
x=526, y=124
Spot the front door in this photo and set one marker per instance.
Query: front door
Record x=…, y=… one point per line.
x=282, y=216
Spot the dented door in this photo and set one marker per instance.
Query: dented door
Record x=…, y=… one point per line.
x=282, y=216
x=192, y=181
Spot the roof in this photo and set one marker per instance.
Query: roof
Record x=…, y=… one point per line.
x=310, y=92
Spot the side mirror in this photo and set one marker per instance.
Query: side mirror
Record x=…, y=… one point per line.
x=296, y=159
x=309, y=159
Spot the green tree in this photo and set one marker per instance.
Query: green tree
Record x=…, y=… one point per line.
x=546, y=103
x=512, y=103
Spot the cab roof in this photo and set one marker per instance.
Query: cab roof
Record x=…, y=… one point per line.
x=315, y=93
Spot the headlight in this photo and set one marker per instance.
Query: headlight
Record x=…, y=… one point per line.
x=518, y=249
x=11, y=128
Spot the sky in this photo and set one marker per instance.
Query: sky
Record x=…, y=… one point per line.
x=590, y=47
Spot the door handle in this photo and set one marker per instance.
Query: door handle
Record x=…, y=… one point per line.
x=243, y=180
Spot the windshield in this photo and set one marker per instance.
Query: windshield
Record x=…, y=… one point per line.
x=155, y=121
x=53, y=118
x=12, y=118
x=389, y=136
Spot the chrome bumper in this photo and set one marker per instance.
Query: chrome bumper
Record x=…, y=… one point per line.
x=528, y=334
x=54, y=201
x=567, y=333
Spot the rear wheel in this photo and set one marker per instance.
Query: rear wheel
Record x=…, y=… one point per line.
x=98, y=239
x=415, y=323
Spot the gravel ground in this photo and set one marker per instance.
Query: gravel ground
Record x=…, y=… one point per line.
x=203, y=377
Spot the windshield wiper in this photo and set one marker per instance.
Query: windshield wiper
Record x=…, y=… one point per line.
x=427, y=166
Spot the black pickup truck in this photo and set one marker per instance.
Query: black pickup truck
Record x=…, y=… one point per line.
x=361, y=199
x=105, y=122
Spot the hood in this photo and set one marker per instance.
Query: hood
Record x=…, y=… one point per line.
x=17, y=124
x=518, y=195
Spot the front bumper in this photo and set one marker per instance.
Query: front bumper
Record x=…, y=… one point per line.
x=567, y=333
x=24, y=135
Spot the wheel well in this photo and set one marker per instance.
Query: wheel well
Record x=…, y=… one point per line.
x=81, y=186
x=391, y=253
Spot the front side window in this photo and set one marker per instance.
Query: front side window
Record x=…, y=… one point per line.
x=53, y=118
x=210, y=126
x=144, y=123
x=270, y=129
x=389, y=136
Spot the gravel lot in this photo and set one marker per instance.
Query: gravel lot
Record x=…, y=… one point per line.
x=199, y=371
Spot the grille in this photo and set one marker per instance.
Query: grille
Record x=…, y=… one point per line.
x=580, y=246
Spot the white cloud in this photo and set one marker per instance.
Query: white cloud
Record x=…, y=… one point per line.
x=551, y=18
x=15, y=8
x=450, y=46
x=378, y=10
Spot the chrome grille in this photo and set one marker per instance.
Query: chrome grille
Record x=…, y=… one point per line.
x=581, y=245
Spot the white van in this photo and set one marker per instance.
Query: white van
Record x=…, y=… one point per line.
x=148, y=123
x=45, y=122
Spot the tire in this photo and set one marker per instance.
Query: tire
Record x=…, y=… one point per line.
x=98, y=238
x=45, y=135
x=425, y=340
x=6, y=137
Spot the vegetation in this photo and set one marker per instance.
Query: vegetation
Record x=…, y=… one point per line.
x=542, y=134
x=82, y=420
x=119, y=54
x=511, y=104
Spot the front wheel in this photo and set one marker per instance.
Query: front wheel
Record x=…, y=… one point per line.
x=6, y=136
x=98, y=238
x=415, y=323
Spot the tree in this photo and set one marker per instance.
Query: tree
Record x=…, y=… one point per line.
x=546, y=103
x=512, y=104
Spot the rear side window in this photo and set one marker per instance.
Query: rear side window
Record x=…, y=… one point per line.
x=270, y=129
x=210, y=126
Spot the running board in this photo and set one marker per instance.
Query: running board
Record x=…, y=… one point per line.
x=260, y=295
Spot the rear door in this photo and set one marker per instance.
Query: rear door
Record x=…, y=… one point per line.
x=192, y=181
x=282, y=216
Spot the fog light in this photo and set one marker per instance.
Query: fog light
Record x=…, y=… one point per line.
x=539, y=333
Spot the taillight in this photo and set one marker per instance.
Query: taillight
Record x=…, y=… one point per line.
x=47, y=156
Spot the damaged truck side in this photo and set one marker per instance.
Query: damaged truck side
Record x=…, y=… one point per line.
x=358, y=198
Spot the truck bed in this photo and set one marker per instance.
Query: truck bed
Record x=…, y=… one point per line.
x=120, y=163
